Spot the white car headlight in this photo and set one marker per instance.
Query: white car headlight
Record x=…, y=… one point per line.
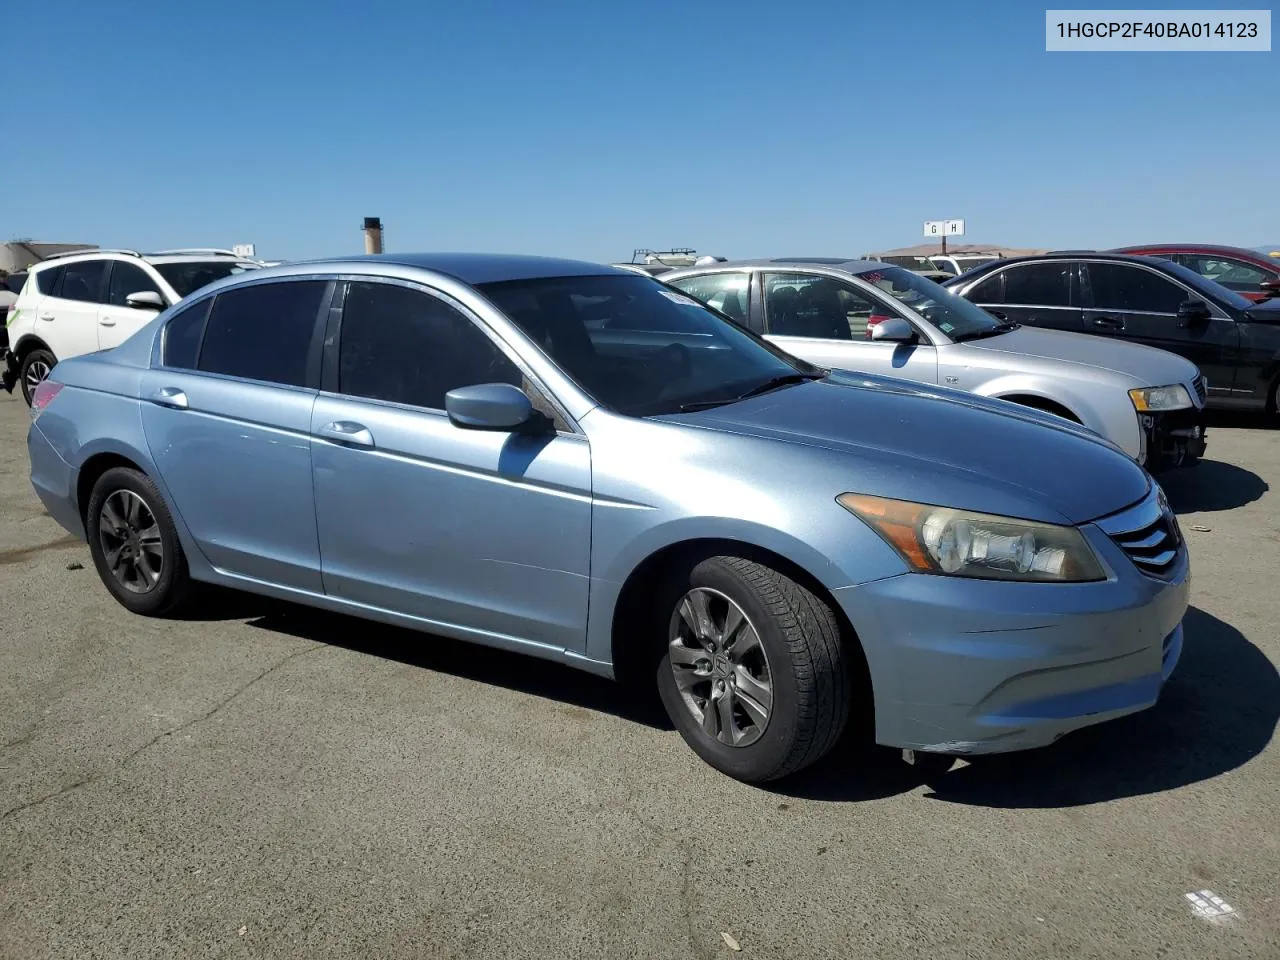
x=961, y=543
x=1155, y=399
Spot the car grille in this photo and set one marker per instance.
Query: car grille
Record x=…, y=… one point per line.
x=1202, y=387
x=1148, y=534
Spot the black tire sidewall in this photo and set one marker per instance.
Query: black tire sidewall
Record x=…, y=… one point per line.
x=770, y=753
x=172, y=587
x=30, y=358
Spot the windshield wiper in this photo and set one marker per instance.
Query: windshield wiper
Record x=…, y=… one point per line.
x=773, y=383
x=995, y=331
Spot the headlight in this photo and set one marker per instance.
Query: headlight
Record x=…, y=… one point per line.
x=960, y=543
x=1153, y=399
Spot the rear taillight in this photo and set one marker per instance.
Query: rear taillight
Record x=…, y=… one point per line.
x=43, y=395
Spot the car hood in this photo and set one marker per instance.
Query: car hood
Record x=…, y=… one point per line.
x=943, y=446
x=1152, y=366
x=1267, y=310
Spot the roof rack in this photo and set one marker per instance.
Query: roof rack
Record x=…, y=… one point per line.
x=1060, y=252
x=200, y=251
x=91, y=251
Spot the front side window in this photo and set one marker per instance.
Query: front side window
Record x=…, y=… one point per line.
x=1232, y=274
x=1043, y=284
x=82, y=280
x=263, y=331
x=811, y=305
x=188, y=276
x=726, y=292
x=677, y=355
x=1123, y=287
x=955, y=316
x=127, y=278
x=182, y=335
x=406, y=346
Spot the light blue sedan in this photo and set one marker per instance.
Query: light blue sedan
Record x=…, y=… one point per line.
x=580, y=463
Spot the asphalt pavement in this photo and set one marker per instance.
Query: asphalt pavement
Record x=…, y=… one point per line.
x=264, y=781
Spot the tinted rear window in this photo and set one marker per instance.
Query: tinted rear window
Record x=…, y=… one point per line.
x=47, y=280
x=263, y=332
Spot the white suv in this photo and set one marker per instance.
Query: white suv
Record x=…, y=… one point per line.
x=91, y=300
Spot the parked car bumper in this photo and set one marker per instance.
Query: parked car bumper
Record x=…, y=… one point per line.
x=965, y=666
x=54, y=481
x=1173, y=438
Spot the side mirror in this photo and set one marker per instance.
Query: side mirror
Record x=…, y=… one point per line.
x=145, y=300
x=893, y=330
x=488, y=406
x=1194, y=311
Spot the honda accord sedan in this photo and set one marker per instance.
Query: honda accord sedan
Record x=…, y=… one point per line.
x=579, y=463
x=879, y=318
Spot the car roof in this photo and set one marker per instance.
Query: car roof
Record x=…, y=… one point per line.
x=470, y=268
x=847, y=264
x=1240, y=253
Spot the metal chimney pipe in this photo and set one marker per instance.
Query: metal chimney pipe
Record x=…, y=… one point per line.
x=372, y=235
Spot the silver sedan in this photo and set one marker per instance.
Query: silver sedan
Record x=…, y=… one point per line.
x=877, y=318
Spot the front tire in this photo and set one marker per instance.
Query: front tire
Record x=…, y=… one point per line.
x=755, y=674
x=135, y=545
x=36, y=367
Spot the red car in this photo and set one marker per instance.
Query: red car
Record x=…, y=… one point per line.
x=1249, y=273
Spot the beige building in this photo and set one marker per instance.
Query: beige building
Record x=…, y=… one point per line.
x=19, y=254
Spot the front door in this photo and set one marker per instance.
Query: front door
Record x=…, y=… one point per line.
x=1136, y=303
x=488, y=533
x=117, y=321
x=828, y=323
x=228, y=420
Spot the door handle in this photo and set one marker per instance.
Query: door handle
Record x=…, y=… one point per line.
x=46, y=316
x=348, y=433
x=1108, y=323
x=107, y=322
x=170, y=397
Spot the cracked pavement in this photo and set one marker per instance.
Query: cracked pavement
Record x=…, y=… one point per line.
x=265, y=781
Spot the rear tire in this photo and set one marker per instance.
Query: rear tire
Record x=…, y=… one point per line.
x=135, y=545
x=754, y=673
x=36, y=366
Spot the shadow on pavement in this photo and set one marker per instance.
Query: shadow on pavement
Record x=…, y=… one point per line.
x=499, y=668
x=1210, y=486
x=1217, y=712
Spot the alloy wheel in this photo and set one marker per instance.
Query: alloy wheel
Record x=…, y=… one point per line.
x=37, y=372
x=131, y=541
x=720, y=667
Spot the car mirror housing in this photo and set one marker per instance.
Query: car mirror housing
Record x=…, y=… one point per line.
x=1194, y=311
x=893, y=330
x=145, y=300
x=489, y=406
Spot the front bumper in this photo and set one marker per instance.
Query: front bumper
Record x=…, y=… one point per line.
x=965, y=666
x=1172, y=438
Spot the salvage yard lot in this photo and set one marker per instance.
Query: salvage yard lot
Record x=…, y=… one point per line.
x=266, y=781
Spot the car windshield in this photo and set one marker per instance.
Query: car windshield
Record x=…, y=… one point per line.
x=953, y=315
x=188, y=276
x=641, y=348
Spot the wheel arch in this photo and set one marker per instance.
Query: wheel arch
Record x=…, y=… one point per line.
x=29, y=342
x=1040, y=402
x=92, y=470
x=634, y=657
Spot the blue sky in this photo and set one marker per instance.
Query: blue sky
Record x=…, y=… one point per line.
x=586, y=129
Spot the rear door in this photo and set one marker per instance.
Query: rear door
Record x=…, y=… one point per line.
x=484, y=532
x=67, y=318
x=828, y=322
x=227, y=416
x=117, y=321
x=1139, y=303
x=1038, y=293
